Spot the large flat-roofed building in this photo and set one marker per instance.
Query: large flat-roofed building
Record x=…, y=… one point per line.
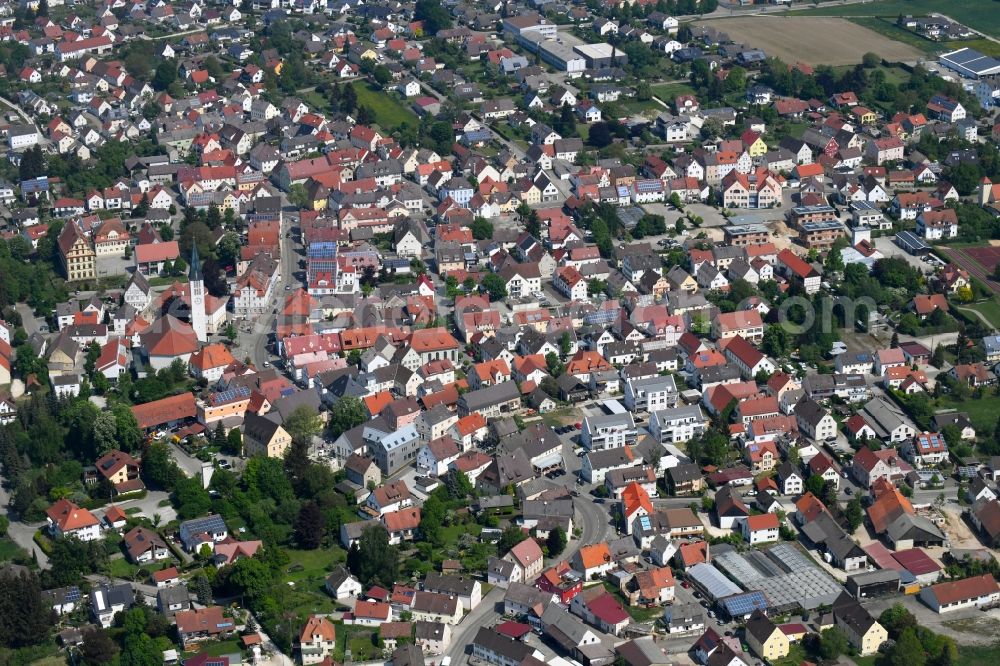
x=819, y=213
x=553, y=52
x=747, y=234
x=970, y=63
x=601, y=55
x=524, y=24
x=820, y=235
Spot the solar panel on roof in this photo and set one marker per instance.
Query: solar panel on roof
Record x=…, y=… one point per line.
x=72, y=594
x=746, y=603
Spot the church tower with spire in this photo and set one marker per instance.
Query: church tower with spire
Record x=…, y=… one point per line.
x=196, y=294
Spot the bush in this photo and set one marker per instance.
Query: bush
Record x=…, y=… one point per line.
x=43, y=542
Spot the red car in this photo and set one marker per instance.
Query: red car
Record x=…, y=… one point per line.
x=579, y=426
x=685, y=584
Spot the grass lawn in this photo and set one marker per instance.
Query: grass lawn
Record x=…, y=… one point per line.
x=54, y=660
x=362, y=648
x=796, y=655
x=306, y=564
x=668, y=91
x=977, y=14
x=217, y=648
x=315, y=101
x=795, y=130
x=453, y=532
x=888, y=28
x=304, y=578
x=865, y=661
x=895, y=75
x=508, y=132
x=645, y=107
x=986, y=46
x=119, y=567
x=983, y=411
x=638, y=613
x=359, y=640
x=989, y=309
x=10, y=550
x=975, y=655
x=389, y=112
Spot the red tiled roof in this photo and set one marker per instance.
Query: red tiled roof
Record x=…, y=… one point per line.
x=165, y=410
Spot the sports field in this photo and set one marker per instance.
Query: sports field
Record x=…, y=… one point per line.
x=813, y=40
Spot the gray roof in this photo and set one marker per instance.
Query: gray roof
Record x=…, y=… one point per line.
x=449, y=584
x=557, y=621
x=712, y=580
x=907, y=526
x=508, y=648
x=176, y=594
x=491, y=395
x=609, y=458
x=760, y=627
x=883, y=416
x=810, y=411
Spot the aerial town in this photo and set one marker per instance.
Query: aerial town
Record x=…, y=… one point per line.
x=512, y=333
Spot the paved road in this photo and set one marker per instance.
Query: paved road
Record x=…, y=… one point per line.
x=146, y=589
x=594, y=522
x=21, y=112
x=485, y=614
x=254, y=342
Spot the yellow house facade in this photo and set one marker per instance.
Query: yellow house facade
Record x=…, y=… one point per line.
x=765, y=639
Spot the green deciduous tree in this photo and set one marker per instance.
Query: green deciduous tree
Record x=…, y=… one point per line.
x=482, y=229
x=494, y=287
x=372, y=559
x=346, y=413
x=833, y=643
x=854, y=513
x=303, y=423
x=191, y=498
x=158, y=467
x=510, y=537
x=434, y=16
x=896, y=620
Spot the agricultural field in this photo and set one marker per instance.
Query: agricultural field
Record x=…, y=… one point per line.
x=979, y=15
x=979, y=261
x=814, y=40
x=886, y=26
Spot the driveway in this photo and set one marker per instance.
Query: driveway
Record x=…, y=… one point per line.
x=149, y=506
x=29, y=321
x=190, y=465
x=22, y=533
